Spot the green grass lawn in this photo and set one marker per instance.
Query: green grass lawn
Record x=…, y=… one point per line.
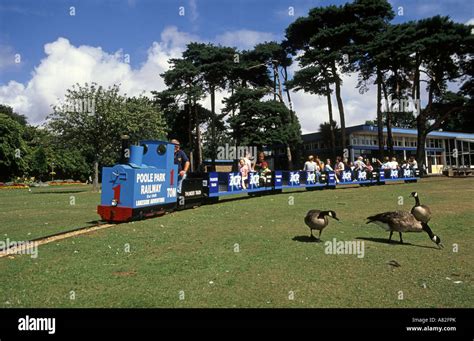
x=191, y=254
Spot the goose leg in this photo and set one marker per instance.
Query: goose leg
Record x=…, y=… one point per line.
x=401, y=240
x=390, y=238
x=311, y=233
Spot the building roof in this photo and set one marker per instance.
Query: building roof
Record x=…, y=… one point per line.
x=405, y=131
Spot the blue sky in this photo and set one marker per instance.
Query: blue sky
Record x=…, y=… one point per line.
x=131, y=27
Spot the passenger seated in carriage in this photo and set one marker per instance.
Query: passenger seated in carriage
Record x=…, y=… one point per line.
x=262, y=167
x=244, y=172
x=339, y=168
x=328, y=167
x=359, y=164
x=369, y=166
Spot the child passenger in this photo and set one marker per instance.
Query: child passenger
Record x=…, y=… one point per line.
x=244, y=172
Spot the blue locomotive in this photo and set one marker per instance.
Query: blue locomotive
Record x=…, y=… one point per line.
x=145, y=184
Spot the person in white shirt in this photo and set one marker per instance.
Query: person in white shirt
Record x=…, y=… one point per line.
x=386, y=164
x=359, y=164
x=412, y=162
x=310, y=165
x=394, y=163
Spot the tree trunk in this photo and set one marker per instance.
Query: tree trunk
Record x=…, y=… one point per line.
x=190, y=130
x=421, y=139
x=290, y=103
x=213, y=125
x=280, y=91
x=340, y=106
x=388, y=123
x=331, y=119
x=389, y=135
x=415, y=92
x=380, y=116
x=96, y=175
x=274, y=84
x=198, y=149
x=422, y=130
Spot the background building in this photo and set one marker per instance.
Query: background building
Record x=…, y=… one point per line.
x=440, y=146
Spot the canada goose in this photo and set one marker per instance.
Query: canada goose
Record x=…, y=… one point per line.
x=402, y=221
x=318, y=220
x=421, y=212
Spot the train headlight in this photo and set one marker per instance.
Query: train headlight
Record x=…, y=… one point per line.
x=114, y=202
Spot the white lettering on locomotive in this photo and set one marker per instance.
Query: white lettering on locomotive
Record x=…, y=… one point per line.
x=145, y=202
x=407, y=173
x=150, y=189
x=151, y=177
x=311, y=177
x=394, y=173
x=362, y=176
x=171, y=192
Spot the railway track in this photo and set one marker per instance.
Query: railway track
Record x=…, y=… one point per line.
x=52, y=238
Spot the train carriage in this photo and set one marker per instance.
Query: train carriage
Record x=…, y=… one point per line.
x=146, y=184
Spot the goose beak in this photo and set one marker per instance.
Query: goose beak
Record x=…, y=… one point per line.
x=336, y=218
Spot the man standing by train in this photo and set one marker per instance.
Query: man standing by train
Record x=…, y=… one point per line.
x=180, y=159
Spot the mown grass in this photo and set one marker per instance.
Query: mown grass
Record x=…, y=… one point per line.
x=193, y=252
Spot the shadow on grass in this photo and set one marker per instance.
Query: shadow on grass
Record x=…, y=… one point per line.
x=393, y=242
x=306, y=239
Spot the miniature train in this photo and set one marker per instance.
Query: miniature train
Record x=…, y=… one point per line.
x=145, y=184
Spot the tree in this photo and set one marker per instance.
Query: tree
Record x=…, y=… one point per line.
x=96, y=131
x=214, y=64
x=314, y=80
x=442, y=51
x=324, y=36
x=185, y=90
x=262, y=123
x=275, y=57
x=372, y=19
x=329, y=131
x=12, y=148
x=7, y=110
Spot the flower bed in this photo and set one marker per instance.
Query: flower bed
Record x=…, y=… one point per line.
x=65, y=182
x=13, y=186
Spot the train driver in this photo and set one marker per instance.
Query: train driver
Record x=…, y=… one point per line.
x=180, y=159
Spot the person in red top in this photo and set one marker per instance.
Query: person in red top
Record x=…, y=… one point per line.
x=261, y=163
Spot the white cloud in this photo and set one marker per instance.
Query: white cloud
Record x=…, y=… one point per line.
x=66, y=64
x=7, y=57
x=312, y=110
x=470, y=22
x=194, y=11
x=244, y=39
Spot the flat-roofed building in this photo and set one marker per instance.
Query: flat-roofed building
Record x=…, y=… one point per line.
x=443, y=148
